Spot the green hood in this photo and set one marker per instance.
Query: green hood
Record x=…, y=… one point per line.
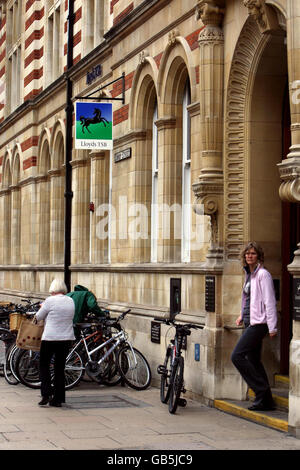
x=79, y=287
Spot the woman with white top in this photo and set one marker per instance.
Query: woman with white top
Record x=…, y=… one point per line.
x=57, y=312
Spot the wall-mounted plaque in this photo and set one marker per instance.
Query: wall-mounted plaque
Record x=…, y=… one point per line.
x=296, y=295
x=210, y=293
x=155, y=332
x=122, y=155
x=175, y=297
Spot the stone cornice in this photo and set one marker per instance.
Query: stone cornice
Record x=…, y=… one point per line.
x=131, y=136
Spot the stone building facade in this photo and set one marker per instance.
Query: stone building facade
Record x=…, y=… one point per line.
x=205, y=158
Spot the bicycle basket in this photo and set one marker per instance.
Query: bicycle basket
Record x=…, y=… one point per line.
x=15, y=321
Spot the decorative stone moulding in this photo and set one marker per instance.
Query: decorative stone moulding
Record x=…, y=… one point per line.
x=263, y=14
x=210, y=12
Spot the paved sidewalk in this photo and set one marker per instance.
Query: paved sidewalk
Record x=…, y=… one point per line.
x=97, y=417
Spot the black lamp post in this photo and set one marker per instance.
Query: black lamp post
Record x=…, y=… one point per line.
x=68, y=168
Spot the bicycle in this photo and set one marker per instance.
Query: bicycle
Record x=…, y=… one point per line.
x=172, y=370
x=113, y=359
x=105, y=354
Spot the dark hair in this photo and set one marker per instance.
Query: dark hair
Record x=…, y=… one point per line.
x=257, y=248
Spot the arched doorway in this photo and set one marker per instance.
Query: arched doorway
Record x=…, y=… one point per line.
x=258, y=138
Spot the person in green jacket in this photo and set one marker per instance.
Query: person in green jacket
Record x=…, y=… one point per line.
x=85, y=302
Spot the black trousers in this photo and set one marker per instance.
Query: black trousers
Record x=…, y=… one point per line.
x=58, y=350
x=246, y=357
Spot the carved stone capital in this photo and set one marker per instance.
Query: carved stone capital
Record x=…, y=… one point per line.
x=142, y=56
x=289, y=171
x=208, y=193
x=172, y=36
x=263, y=14
x=210, y=12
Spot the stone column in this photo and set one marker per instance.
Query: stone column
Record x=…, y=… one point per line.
x=99, y=210
x=80, y=238
x=169, y=191
x=290, y=168
x=294, y=371
x=15, y=224
x=208, y=189
x=57, y=211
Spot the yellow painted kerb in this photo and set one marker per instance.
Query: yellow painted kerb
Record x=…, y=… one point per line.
x=257, y=417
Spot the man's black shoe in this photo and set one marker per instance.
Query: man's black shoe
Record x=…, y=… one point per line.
x=262, y=407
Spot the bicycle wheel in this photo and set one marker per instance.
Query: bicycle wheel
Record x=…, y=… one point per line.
x=2, y=357
x=165, y=378
x=9, y=365
x=113, y=376
x=74, y=369
x=133, y=368
x=28, y=368
x=176, y=384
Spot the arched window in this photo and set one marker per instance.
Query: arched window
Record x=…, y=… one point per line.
x=154, y=201
x=186, y=176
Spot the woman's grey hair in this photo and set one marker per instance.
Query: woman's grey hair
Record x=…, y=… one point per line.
x=58, y=286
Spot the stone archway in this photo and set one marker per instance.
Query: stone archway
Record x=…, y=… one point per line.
x=253, y=149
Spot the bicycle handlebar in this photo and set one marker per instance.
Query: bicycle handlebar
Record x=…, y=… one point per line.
x=177, y=325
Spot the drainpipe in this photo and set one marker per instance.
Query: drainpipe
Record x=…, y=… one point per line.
x=68, y=167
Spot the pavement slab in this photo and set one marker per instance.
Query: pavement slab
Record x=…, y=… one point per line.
x=122, y=419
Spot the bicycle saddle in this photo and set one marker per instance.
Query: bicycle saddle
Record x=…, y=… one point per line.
x=84, y=325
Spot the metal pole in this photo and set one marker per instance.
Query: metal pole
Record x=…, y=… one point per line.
x=68, y=167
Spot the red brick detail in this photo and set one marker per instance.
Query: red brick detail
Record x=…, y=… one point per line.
x=2, y=55
x=197, y=73
x=37, y=34
x=121, y=115
x=29, y=162
x=77, y=59
x=1, y=160
x=123, y=14
x=3, y=22
x=192, y=39
x=2, y=71
x=29, y=3
x=117, y=87
x=36, y=16
x=157, y=59
x=112, y=4
x=34, y=55
x=33, y=94
x=77, y=40
x=3, y=39
x=30, y=142
x=34, y=75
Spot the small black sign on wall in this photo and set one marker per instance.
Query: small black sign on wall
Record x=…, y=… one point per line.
x=175, y=297
x=296, y=295
x=155, y=332
x=210, y=293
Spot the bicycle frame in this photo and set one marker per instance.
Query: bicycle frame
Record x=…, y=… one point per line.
x=118, y=338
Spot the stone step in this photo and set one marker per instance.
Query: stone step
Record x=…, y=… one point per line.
x=277, y=419
x=282, y=381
